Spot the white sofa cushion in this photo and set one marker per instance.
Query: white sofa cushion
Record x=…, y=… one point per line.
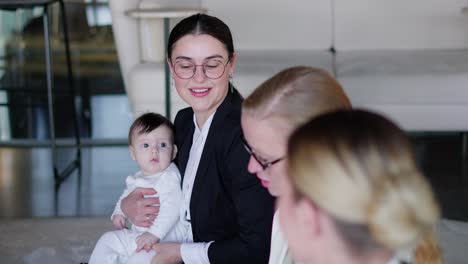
x=147, y=83
x=420, y=90
x=400, y=24
x=255, y=67
x=276, y=25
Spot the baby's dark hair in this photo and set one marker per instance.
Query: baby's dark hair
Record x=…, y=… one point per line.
x=147, y=123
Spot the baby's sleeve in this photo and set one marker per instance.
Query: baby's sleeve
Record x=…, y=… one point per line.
x=130, y=186
x=170, y=196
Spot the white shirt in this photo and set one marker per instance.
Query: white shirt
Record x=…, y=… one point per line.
x=279, y=246
x=167, y=183
x=194, y=252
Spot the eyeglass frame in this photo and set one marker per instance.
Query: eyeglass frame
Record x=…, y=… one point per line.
x=203, y=69
x=252, y=153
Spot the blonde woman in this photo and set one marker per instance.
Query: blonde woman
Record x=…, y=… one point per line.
x=270, y=114
x=354, y=193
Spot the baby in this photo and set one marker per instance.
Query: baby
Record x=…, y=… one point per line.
x=151, y=143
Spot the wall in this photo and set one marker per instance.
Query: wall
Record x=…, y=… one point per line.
x=359, y=24
x=401, y=24
x=275, y=25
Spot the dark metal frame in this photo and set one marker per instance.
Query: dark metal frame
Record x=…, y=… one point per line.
x=59, y=176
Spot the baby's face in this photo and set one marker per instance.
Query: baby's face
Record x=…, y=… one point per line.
x=153, y=151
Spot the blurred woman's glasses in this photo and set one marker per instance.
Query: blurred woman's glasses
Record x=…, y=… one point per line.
x=265, y=164
x=212, y=69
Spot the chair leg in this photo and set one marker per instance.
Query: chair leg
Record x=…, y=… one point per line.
x=50, y=103
x=71, y=85
x=50, y=98
x=70, y=75
x=59, y=177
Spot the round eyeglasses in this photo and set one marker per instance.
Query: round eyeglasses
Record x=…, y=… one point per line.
x=212, y=69
x=264, y=164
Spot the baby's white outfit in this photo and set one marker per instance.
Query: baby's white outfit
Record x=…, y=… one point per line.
x=119, y=246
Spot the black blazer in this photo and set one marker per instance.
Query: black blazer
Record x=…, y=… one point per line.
x=228, y=204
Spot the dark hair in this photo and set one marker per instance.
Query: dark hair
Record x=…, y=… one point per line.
x=200, y=24
x=147, y=123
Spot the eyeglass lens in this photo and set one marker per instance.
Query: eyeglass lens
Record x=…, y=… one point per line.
x=264, y=164
x=213, y=69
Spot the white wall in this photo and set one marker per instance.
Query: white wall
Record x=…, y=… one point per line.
x=112, y=116
x=401, y=24
x=360, y=24
x=275, y=25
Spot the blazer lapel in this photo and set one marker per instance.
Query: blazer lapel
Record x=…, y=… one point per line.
x=185, y=146
x=201, y=175
x=208, y=153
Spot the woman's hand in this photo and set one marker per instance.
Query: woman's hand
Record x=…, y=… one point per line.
x=167, y=253
x=140, y=210
x=119, y=221
x=146, y=241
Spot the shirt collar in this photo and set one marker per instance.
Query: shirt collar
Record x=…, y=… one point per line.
x=206, y=126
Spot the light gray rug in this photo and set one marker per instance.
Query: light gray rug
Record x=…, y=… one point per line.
x=71, y=240
x=50, y=241
x=453, y=239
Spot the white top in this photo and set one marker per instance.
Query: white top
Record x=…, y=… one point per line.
x=279, y=245
x=194, y=252
x=167, y=183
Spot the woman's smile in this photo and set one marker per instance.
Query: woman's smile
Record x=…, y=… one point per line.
x=200, y=92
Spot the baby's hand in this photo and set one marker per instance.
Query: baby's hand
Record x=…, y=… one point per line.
x=146, y=241
x=119, y=221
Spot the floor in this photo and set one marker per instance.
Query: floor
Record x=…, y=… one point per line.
x=27, y=184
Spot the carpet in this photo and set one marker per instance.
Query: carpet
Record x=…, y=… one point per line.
x=71, y=240
x=50, y=240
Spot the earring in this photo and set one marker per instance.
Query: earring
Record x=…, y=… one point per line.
x=172, y=83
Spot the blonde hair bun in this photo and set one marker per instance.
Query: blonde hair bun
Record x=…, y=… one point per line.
x=360, y=168
x=399, y=214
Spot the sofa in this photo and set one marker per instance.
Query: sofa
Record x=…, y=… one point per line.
x=407, y=60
